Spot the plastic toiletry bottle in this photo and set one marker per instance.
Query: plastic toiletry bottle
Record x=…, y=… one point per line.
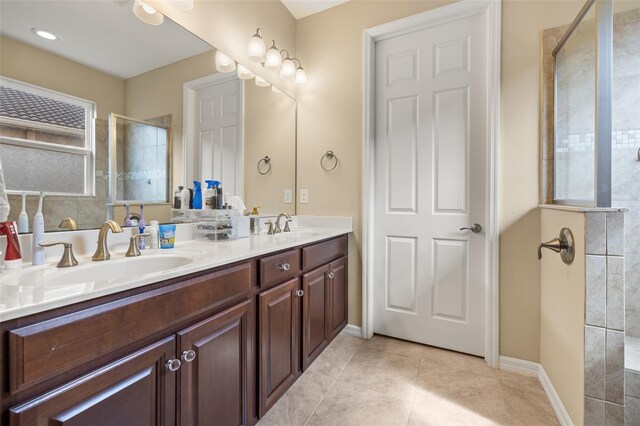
x=177, y=198
x=209, y=194
x=38, y=235
x=153, y=229
x=23, y=219
x=127, y=216
x=197, y=195
x=219, y=199
x=141, y=227
x=12, y=255
x=185, y=198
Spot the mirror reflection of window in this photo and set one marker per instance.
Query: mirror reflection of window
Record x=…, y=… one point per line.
x=46, y=140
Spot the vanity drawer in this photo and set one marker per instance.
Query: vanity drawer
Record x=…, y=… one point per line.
x=279, y=267
x=43, y=350
x=325, y=252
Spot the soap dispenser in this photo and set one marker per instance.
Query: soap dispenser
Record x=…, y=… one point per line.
x=209, y=195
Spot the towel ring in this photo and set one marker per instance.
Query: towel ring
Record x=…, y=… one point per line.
x=329, y=155
x=266, y=161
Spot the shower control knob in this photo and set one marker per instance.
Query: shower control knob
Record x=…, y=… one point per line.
x=475, y=228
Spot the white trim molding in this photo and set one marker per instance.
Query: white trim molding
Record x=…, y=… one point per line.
x=492, y=11
x=352, y=330
x=529, y=368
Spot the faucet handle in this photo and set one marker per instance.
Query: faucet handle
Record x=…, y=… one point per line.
x=271, y=230
x=133, y=249
x=286, y=226
x=67, y=259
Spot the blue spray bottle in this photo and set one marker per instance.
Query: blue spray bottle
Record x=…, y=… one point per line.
x=197, y=195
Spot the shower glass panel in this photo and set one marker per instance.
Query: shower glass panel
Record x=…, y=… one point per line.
x=575, y=115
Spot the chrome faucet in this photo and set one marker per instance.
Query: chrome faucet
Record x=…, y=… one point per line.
x=286, y=225
x=102, y=251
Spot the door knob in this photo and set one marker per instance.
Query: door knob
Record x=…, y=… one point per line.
x=475, y=228
x=299, y=293
x=173, y=364
x=188, y=356
x=564, y=245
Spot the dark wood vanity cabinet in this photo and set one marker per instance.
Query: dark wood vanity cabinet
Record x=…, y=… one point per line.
x=135, y=390
x=278, y=341
x=218, y=347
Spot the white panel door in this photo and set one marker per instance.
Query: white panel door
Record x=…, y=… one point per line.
x=430, y=181
x=217, y=129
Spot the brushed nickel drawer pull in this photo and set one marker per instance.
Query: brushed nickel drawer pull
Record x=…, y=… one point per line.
x=299, y=293
x=331, y=275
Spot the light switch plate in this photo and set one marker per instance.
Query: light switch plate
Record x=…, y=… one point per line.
x=304, y=196
x=288, y=196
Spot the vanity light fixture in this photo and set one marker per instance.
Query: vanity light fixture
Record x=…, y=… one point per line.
x=301, y=74
x=244, y=73
x=273, y=60
x=224, y=63
x=288, y=70
x=257, y=50
x=184, y=4
x=262, y=82
x=274, y=89
x=147, y=14
x=47, y=35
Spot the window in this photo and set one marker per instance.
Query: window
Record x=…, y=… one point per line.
x=46, y=140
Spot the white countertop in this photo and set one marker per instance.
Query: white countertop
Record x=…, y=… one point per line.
x=24, y=292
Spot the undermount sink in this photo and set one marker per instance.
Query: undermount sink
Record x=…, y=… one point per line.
x=296, y=234
x=114, y=270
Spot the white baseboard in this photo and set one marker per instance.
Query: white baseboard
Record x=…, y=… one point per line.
x=534, y=369
x=352, y=330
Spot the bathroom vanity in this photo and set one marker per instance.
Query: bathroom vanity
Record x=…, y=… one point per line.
x=218, y=342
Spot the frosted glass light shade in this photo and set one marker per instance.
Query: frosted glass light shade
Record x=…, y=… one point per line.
x=147, y=14
x=244, y=73
x=224, y=63
x=274, y=89
x=301, y=76
x=262, y=82
x=288, y=71
x=273, y=60
x=257, y=50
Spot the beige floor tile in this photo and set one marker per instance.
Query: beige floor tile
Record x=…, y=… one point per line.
x=299, y=403
x=439, y=411
x=393, y=346
x=384, y=373
x=445, y=360
x=334, y=359
x=266, y=422
x=349, y=405
x=526, y=400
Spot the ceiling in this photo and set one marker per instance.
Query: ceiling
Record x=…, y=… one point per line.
x=301, y=8
x=102, y=34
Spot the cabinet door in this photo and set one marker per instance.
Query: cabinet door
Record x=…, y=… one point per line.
x=136, y=390
x=215, y=369
x=279, y=320
x=316, y=331
x=338, y=290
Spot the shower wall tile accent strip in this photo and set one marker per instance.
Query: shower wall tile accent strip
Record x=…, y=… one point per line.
x=604, y=374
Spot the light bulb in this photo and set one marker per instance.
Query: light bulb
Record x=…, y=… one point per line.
x=273, y=60
x=147, y=14
x=262, y=82
x=288, y=71
x=47, y=35
x=224, y=63
x=257, y=50
x=274, y=89
x=301, y=76
x=244, y=73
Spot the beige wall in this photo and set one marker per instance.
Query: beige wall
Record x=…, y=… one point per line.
x=562, y=312
x=228, y=25
x=330, y=117
x=29, y=64
x=269, y=129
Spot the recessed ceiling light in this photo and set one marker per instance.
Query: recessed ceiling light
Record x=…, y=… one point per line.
x=48, y=35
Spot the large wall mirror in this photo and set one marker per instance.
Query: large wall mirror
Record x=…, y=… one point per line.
x=115, y=111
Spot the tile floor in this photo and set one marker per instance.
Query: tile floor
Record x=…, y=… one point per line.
x=384, y=381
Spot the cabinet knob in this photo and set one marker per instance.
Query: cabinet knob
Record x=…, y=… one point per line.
x=331, y=275
x=299, y=293
x=284, y=266
x=173, y=364
x=188, y=356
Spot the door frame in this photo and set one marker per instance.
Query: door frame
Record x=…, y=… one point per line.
x=431, y=18
x=189, y=88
